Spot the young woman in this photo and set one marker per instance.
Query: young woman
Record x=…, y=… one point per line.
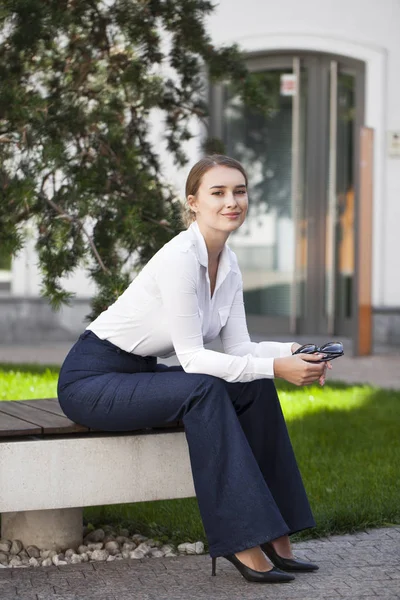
x=248, y=486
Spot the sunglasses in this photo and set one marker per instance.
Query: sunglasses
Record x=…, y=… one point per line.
x=331, y=349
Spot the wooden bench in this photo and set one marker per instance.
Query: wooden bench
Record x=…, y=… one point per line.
x=51, y=467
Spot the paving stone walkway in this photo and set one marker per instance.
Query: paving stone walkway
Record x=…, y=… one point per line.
x=363, y=566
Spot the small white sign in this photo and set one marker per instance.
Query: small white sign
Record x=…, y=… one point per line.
x=394, y=144
x=288, y=84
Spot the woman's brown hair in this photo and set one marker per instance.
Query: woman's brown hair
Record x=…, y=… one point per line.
x=196, y=175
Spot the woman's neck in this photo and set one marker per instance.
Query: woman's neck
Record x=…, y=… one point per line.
x=215, y=242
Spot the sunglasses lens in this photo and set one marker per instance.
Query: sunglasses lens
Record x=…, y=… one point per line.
x=308, y=349
x=335, y=347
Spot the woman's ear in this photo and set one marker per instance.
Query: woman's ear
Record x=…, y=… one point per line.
x=192, y=203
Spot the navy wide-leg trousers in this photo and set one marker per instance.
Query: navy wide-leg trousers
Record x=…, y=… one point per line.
x=247, y=482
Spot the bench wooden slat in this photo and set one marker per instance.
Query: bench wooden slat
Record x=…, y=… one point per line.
x=48, y=422
x=50, y=405
x=11, y=426
x=45, y=417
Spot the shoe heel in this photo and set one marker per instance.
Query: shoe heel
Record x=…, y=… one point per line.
x=213, y=566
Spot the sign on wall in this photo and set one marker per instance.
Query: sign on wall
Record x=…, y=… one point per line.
x=394, y=144
x=288, y=84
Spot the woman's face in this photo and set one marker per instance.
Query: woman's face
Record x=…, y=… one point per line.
x=221, y=201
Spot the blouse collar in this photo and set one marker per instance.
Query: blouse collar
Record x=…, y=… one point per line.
x=226, y=264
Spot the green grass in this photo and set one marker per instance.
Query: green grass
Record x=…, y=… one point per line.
x=346, y=442
x=28, y=382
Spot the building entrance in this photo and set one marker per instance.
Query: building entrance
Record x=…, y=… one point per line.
x=297, y=246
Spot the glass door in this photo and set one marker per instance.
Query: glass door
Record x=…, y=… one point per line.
x=271, y=245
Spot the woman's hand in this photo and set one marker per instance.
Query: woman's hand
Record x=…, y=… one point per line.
x=323, y=376
x=328, y=364
x=294, y=347
x=301, y=369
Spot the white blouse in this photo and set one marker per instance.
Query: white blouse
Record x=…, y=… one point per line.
x=168, y=309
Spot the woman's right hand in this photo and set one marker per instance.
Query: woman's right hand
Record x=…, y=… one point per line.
x=300, y=369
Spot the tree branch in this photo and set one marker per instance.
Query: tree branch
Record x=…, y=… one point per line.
x=75, y=220
x=160, y=223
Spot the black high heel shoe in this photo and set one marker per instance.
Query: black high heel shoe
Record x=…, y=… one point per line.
x=272, y=576
x=286, y=564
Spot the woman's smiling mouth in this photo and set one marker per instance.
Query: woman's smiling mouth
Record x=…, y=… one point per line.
x=231, y=215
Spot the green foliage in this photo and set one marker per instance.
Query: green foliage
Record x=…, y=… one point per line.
x=5, y=260
x=83, y=80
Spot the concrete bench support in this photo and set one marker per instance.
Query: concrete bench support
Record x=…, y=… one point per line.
x=51, y=529
x=46, y=482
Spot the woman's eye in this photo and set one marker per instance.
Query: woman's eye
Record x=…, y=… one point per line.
x=217, y=193
x=241, y=191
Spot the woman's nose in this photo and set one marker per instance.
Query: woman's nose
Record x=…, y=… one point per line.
x=230, y=200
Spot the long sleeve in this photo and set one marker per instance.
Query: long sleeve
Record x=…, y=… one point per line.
x=177, y=284
x=236, y=340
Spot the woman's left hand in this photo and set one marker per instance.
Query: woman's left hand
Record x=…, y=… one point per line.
x=322, y=378
x=328, y=365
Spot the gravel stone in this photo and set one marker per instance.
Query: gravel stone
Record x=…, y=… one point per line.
x=122, y=539
x=145, y=548
x=182, y=548
x=128, y=546
x=33, y=551
x=113, y=548
x=108, y=538
x=47, y=562
x=199, y=547
x=138, y=546
x=95, y=536
x=76, y=558
x=135, y=554
x=5, y=545
x=138, y=539
x=16, y=547
x=96, y=546
x=100, y=555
